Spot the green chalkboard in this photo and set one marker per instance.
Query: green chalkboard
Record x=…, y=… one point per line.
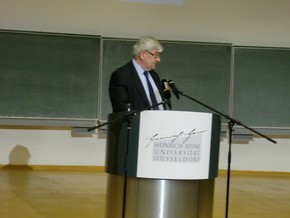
x=116, y=52
x=44, y=75
x=201, y=70
x=261, y=86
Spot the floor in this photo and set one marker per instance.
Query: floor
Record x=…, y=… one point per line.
x=27, y=193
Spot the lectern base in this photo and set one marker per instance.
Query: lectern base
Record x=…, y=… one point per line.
x=155, y=198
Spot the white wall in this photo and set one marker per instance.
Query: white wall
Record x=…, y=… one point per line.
x=258, y=155
x=241, y=22
x=50, y=147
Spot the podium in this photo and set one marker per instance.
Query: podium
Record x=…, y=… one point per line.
x=161, y=164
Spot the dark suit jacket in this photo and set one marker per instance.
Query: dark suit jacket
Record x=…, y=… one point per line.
x=126, y=87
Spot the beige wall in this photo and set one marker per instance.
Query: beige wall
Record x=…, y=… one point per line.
x=241, y=22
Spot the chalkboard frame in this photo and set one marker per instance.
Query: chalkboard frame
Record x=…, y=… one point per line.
x=56, y=79
x=257, y=92
x=95, y=90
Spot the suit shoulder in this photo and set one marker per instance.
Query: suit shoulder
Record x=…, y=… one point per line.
x=125, y=68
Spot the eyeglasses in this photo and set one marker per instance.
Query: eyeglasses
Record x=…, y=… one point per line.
x=156, y=55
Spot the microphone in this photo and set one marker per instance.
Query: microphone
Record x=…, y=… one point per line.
x=173, y=88
x=166, y=93
x=166, y=89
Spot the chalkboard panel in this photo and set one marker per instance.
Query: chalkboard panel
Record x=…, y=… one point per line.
x=50, y=76
x=201, y=70
x=116, y=52
x=261, y=86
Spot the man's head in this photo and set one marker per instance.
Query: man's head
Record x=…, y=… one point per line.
x=147, y=51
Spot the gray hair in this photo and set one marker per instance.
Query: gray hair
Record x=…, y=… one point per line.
x=146, y=43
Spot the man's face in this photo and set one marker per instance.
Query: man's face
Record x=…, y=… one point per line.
x=149, y=59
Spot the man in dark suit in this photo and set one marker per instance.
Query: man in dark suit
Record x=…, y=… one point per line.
x=129, y=85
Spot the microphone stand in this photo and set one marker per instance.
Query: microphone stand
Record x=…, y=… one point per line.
x=231, y=123
x=127, y=118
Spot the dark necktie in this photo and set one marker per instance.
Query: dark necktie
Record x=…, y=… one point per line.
x=151, y=92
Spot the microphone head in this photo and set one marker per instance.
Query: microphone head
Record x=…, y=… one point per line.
x=171, y=83
x=166, y=89
x=173, y=88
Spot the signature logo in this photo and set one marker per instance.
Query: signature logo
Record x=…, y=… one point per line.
x=175, y=137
